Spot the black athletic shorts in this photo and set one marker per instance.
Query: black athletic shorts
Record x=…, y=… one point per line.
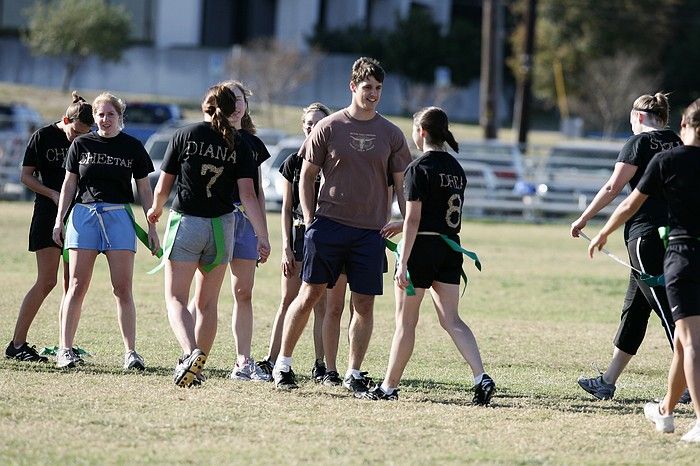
x=41, y=230
x=682, y=274
x=298, y=242
x=432, y=260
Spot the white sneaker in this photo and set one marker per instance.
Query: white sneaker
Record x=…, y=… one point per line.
x=693, y=435
x=663, y=423
x=133, y=360
x=249, y=371
x=66, y=358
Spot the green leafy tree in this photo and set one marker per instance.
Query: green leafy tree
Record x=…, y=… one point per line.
x=578, y=33
x=74, y=30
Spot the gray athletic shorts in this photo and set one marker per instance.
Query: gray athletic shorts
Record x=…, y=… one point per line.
x=194, y=240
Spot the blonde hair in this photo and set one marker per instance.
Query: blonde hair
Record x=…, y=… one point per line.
x=315, y=107
x=117, y=103
x=655, y=105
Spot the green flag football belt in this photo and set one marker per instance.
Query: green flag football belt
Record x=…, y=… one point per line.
x=141, y=234
x=651, y=280
x=169, y=239
x=455, y=246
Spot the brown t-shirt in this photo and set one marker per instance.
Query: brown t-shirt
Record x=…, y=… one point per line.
x=356, y=157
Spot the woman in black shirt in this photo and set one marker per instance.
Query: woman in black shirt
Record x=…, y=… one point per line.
x=648, y=119
x=209, y=162
x=100, y=166
x=434, y=187
x=673, y=175
x=43, y=173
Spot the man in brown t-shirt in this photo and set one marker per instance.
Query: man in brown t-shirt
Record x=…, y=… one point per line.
x=354, y=149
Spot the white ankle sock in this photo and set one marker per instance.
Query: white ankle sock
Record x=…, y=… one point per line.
x=283, y=363
x=478, y=378
x=387, y=389
x=354, y=372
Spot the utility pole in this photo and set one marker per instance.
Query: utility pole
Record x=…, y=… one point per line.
x=523, y=93
x=491, y=66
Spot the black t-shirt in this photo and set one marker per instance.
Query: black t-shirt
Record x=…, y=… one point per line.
x=260, y=154
x=438, y=181
x=46, y=152
x=105, y=167
x=638, y=151
x=207, y=170
x=674, y=175
x=291, y=171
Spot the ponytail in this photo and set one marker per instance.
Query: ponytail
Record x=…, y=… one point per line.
x=80, y=110
x=434, y=121
x=220, y=103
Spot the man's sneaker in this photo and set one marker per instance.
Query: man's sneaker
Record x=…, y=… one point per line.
x=358, y=386
x=318, y=371
x=483, y=391
x=188, y=367
x=266, y=366
x=693, y=435
x=685, y=397
x=597, y=387
x=249, y=371
x=378, y=394
x=284, y=380
x=24, y=353
x=332, y=379
x=133, y=360
x=66, y=358
x=663, y=423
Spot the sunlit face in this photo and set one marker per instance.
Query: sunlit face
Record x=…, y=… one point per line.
x=417, y=138
x=241, y=106
x=107, y=119
x=310, y=120
x=73, y=129
x=366, y=94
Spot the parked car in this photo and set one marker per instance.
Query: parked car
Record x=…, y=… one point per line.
x=156, y=146
x=17, y=123
x=273, y=183
x=143, y=119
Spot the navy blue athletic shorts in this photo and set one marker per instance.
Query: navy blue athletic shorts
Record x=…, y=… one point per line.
x=682, y=274
x=329, y=246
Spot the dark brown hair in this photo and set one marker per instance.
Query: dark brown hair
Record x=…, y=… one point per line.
x=80, y=110
x=220, y=103
x=691, y=116
x=434, y=121
x=656, y=105
x=364, y=67
x=246, y=121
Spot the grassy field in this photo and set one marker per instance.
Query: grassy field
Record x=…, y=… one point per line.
x=542, y=312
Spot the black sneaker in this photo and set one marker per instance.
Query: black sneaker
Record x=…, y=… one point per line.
x=285, y=380
x=358, y=386
x=265, y=366
x=484, y=391
x=24, y=353
x=332, y=379
x=378, y=394
x=318, y=371
x=685, y=397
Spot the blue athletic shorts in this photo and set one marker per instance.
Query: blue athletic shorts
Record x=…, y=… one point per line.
x=329, y=246
x=194, y=240
x=100, y=226
x=245, y=244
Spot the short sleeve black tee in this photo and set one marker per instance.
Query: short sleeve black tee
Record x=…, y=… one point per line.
x=291, y=171
x=207, y=170
x=438, y=181
x=260, y=154
x=638, y=151
x=674, y=175
x=105, y=167
x=46, y=152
